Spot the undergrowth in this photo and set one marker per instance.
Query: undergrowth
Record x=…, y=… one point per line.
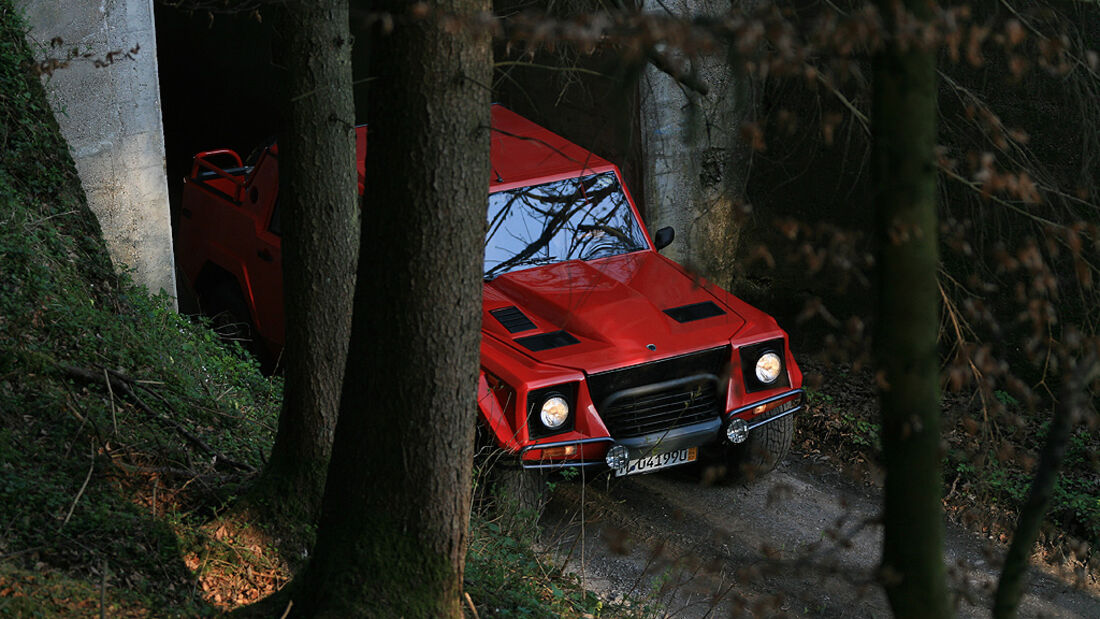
x=986, y=477
x=506, y=577
x=120, y=418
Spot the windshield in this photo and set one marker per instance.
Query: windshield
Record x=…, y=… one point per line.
x=572, y=219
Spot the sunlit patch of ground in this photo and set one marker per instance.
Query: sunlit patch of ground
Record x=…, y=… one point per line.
x=235, y=563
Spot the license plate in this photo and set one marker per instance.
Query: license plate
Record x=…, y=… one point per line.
x=658, y=461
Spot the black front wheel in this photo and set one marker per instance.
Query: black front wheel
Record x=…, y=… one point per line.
x=520, y=495
x=231, y=320
x=764, y=449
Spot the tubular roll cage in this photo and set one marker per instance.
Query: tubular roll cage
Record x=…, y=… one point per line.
x=200, y=161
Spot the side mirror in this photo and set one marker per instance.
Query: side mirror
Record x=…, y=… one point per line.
x=664, y=238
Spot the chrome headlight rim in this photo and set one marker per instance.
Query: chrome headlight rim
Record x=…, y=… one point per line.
x=537, y=398
x=768, y=367
x=749, y=354
x=554, y=411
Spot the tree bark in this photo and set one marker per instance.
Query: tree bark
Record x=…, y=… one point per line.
x=320, y=217
x=904, y=133
x=1074, y=399
x=392, y=535
x=696, y=161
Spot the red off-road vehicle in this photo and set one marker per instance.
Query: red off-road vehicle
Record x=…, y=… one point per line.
x=596, y=350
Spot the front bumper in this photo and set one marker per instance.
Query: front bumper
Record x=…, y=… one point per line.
x=696, y=435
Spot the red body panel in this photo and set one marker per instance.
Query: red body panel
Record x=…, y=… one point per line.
x=614, y=307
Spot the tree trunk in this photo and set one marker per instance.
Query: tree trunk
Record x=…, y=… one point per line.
x=696, y=161
x=392, y=535
x=1074, y=399
x=320, y=215
x=904, y=132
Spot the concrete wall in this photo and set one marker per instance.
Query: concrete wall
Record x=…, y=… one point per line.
x=111, y=118
x=696, y=162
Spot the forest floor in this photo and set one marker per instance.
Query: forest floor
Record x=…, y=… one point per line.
x=802, y=540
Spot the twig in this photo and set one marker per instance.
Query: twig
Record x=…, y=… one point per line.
x=1027, y=24
x=535, y=65
x=948, y=172
x=953, y=315
x=198, y=442
x=286, y=612
x=158, y=470
x=953, y=175
x=103, y=590
x=80, y=493
x=663, y=64
x=470, y=602
x=23, y=551
x=114, y=419
x=122, y=383
x=82, y=420
x=860, y=116
x=32, y=224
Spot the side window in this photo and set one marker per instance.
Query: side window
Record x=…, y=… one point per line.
x=275, y=226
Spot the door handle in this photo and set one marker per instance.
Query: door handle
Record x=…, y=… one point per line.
x=264, y=255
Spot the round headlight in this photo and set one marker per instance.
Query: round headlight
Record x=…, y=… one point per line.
x=768, y=367
x=555, y=410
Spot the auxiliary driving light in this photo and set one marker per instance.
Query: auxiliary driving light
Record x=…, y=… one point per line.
x=617, y=457
x=737, y=431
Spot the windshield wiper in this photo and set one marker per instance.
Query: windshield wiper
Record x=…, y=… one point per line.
x=488, y=277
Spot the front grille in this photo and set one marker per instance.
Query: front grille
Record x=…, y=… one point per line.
x=628, y=415
x=662, y=395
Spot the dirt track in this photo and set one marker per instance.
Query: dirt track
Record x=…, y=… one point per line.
x=769, y=548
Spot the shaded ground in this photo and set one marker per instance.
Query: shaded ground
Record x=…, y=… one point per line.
x=802, y=541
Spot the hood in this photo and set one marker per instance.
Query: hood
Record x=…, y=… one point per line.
x=602, y=314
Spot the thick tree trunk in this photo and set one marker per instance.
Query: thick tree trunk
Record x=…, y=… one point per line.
x=696, y=161
x=392, y=535
x=904, y=131
x=320, y=220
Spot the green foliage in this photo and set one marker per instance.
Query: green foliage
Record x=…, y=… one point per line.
x=980, y=471
x=864, y=432
x=505, y=578
x=1005, y=398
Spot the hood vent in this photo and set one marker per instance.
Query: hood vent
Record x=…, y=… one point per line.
x=513, y=319
x=695, y=311
x=546, y=341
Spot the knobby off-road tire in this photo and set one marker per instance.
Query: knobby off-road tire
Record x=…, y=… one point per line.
x=765, y=448
x=231, y=319
x=519, y=497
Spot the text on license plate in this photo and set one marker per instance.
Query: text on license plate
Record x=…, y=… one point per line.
x=658, y=461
